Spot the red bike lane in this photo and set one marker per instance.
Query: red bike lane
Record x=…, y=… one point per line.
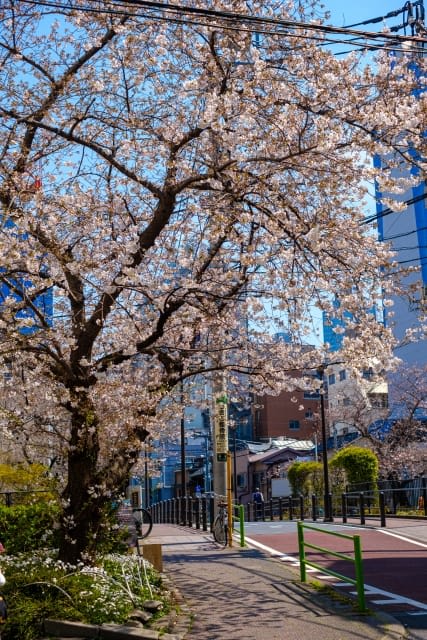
x=394, y=567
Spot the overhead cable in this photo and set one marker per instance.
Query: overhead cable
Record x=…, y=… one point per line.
x=390, y=14
x=388, y=211
x=173, y=9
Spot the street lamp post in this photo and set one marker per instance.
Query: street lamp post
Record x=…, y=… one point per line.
x=233, y=427
x=183, y=474
x=327, y=505
x=207, y=482
x=146, y=478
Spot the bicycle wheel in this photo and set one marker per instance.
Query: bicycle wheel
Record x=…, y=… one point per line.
x=143, y=522
x=219, y=530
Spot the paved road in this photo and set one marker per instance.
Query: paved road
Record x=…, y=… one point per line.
x=243, y=594
x=395, y=565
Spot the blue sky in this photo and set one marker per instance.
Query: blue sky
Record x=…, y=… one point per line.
x=345, y=12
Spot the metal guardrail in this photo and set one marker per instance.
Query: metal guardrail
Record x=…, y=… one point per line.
x=356, y=560
x=240, y=509
x=355, y=505
x=407, y=501
x=195, y=512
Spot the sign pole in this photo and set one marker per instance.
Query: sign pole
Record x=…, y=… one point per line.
x=220, y=436
x=229, y=501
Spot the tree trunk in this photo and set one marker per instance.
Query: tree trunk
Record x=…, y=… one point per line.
x=83, y=511
x=91, y=486
x=83, y=497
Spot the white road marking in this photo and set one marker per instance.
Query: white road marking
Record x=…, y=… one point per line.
x=397, y=535
x=394, y=597
x=391, y=598
x=388, y=601
x=416, y=613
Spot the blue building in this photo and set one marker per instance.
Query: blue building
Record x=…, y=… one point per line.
x=19, y=287
x=406, y=231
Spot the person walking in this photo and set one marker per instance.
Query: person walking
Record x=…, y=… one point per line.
x=258, y=500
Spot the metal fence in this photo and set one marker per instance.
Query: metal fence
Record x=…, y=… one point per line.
x=410, y=501
x=405, y=497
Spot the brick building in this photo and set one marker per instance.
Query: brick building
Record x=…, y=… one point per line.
x=289, y=415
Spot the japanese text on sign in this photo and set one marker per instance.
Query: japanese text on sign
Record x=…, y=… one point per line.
x=221, y=431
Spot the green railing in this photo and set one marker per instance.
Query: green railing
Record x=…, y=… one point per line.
x=241, y=519
x=356, y=560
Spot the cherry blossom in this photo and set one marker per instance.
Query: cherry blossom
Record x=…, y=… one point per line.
x=184, y=191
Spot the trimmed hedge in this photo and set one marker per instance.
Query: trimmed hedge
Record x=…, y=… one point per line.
x=360, y=464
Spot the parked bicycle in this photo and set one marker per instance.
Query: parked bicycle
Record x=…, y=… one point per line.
x=220, y=525
x=143, y=521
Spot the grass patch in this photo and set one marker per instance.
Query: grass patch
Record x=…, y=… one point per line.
x=339, y=597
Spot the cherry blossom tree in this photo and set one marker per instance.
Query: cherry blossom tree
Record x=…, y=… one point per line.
x=403, y=448
x=396, y=432
x=183, y=189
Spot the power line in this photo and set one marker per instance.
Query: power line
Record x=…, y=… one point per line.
x=413, y=248
x=253, y=19
x=357, y=45
x=408, y=8
x=390, y=14
x=419, y=262
x=388, y=211
x=121, y=7
x=404, y=234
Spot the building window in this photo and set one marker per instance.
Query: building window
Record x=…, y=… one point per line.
x=312, y=394
x=346, y=402
x=241, y=480
x=343, y=375
x=379, y=401
x=293, y=425
x=368, y=374
x=331, y=378
x=258, y=479
x=309, y=415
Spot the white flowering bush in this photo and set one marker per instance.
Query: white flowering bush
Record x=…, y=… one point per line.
x=38, y=586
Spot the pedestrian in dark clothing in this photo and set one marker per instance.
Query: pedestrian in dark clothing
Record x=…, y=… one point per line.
x=258, y=500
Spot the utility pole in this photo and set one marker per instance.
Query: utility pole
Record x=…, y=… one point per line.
x=327, y=505
x=220, y=435
x=234, y=428
x=146, y=478
x=182, y=435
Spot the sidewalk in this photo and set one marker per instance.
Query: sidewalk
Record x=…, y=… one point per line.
x=412, y=529
x=234, y=594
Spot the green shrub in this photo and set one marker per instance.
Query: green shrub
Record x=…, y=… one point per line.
x=360, y=465
x=27, y=527
x=305, y=477
x=26, y=477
